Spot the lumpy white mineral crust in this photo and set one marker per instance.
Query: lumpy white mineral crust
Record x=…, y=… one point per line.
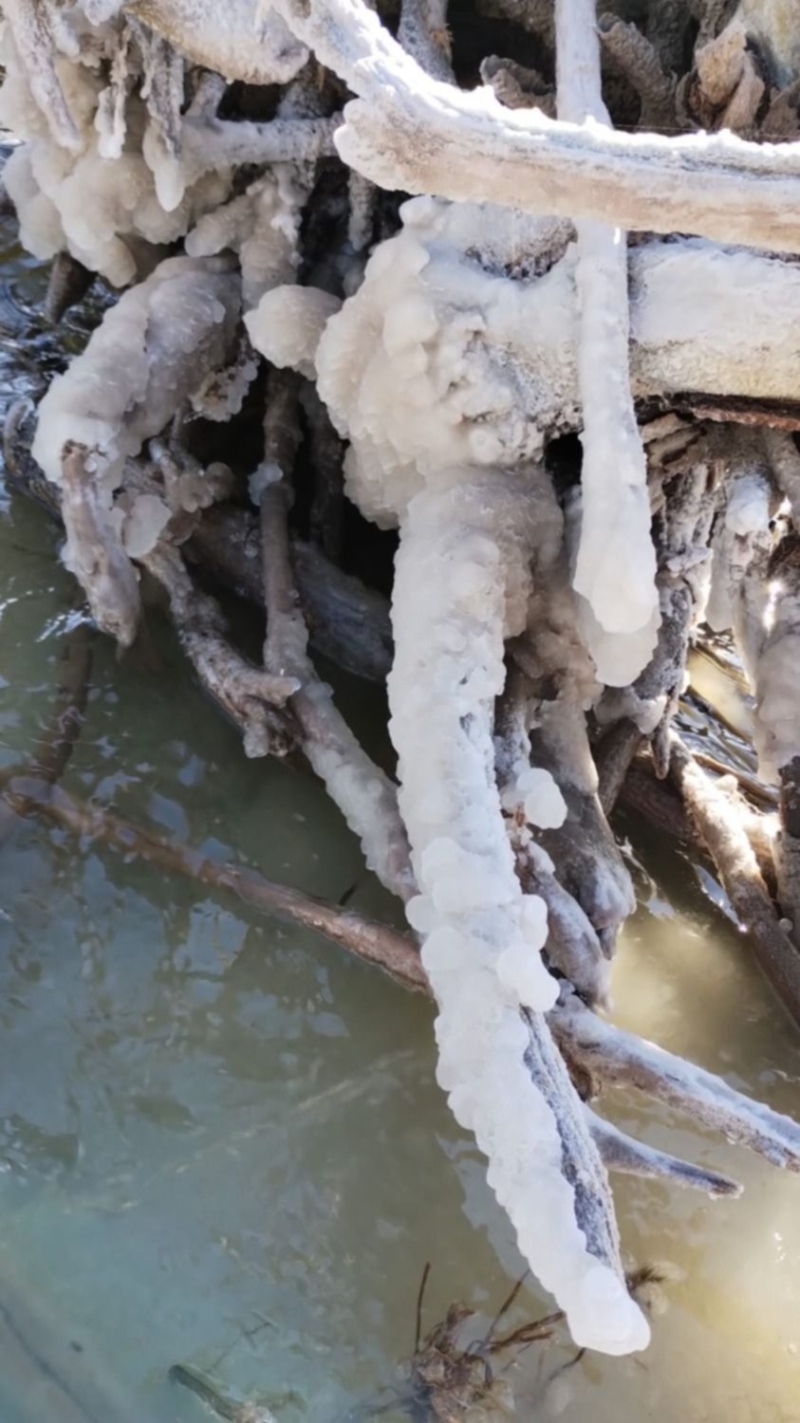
x=459, y=591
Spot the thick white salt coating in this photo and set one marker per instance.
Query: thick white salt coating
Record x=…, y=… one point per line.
x=262, y=225
x=288, y=323
x=460, y=588
x=96, y=198
x=143, y=524
x=438, y=314
x=536, y=791
x=151, y=351
x=615, y=566
x=742, y=532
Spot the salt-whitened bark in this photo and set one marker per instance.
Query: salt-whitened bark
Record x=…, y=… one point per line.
x=411, y=131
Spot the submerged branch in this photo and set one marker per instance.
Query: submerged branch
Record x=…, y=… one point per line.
x=634, y=1158
x=250, y=697
x=376, y=943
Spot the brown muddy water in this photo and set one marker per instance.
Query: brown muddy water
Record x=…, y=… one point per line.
x=220, y=1140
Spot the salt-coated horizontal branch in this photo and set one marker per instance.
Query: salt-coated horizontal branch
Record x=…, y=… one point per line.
x=409, y=131
x=623, y=1153
x=612, y=1057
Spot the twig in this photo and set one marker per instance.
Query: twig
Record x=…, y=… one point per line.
x=623, y=1153
x=426, y=1270
x=755, y=788
x=251, y=697
x=212, y=143
x=736, y=865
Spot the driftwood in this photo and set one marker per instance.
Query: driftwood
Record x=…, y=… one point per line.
x=736, y=864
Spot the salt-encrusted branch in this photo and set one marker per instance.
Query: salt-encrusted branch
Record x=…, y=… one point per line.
x=93, y=551
x=31, y=23
x=150, y=352
x=253, y=44
x=611, y=1057
x=423, y=33
x=616, y=565
x=736, y=865
x=213, y=143
x=362, y=791
x=411, y=132
x=249, y=695
x=572, y=943
x=634, y=1158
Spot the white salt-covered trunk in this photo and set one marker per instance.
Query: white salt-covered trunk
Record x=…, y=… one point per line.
x=461, y=586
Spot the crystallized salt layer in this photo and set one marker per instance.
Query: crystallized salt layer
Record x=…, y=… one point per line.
x=460, y=589
x=288, y=323
x=435, y=360
x=151, y=351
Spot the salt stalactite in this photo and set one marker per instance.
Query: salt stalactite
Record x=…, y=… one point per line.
x=615, y=565
x=76, y=199
x=438, y=445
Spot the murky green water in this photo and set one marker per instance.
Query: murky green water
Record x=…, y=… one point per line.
x=219, y=1138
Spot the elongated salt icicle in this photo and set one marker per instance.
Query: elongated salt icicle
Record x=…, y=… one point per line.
x=616, y=563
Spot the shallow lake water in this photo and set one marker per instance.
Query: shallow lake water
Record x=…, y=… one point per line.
x=220, y=1139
